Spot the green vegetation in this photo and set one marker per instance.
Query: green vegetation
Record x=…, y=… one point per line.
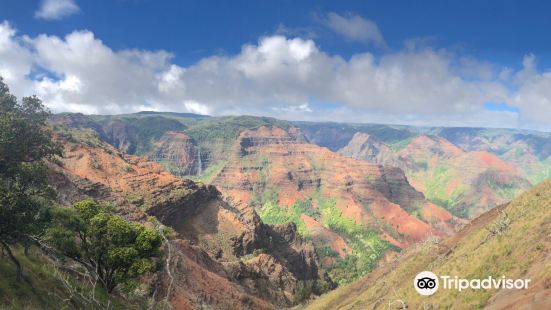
x=303, y=291
x=216, y=136
x=172, y=167
x=273, y=214
x=139, y=133
x=336, y=135
x=435, y=189
x=32, y=277
x=25, y=195
x=46, y=286
x=148, y=130
x=506, y=190
x=422, y=165
x=127, y=168
x=397, y=145
x=227, y=129
x=210, y=173
x=305, y=206
x=112, y=250
x=367, y=247
x=84, y=136
x=537, y=172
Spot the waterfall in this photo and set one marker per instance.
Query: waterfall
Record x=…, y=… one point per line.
x=200, y=162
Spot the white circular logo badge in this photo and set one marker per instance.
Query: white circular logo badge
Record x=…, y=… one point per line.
x=426, y=283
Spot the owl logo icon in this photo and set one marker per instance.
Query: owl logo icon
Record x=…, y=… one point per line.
x=426, y=283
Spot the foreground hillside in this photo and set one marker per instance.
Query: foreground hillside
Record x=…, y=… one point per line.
x=512, y=241
x=45, y=286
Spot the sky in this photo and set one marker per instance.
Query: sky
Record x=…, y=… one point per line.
x=427, y=63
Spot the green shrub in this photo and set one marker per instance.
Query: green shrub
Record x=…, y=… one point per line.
x=114, y=251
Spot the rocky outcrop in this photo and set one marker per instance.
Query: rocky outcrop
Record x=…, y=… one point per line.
x=120, y=135
x=179, y=153
x=249, y=139
x=192, y=279
x=363, y=146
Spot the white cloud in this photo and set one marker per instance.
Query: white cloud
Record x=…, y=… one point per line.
x=16, y=60
x=533, y=96
x=196, y=107
x=295, y=109
x=355, y=28
x=56, y=9
x=290, y=78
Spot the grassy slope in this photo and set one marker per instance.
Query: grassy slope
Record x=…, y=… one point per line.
x=521, y=251
x=41, y=287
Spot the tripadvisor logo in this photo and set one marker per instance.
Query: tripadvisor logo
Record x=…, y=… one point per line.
x=426, y=283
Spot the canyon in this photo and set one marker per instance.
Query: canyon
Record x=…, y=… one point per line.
x=267, y=213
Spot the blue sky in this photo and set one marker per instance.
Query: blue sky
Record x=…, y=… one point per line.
x=499, y=31
x=417, y=62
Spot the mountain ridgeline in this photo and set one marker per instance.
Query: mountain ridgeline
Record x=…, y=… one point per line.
x=448, y=165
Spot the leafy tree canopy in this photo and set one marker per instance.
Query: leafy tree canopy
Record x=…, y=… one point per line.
x=24, y=192
x=112, y=249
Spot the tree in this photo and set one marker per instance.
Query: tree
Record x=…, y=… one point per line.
x=25, y=144
x=111, y=249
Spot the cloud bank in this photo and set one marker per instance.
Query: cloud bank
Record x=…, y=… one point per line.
x=290, y=78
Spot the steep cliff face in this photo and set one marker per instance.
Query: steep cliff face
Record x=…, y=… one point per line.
x=466, y=183
x=221, y=254
x=178, y=152
x=269, y=158
x=366, y=147
x=328, y=196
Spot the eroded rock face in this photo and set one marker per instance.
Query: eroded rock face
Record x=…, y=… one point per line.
x=466, y=182
x=179, y=151
x=273, y=159
x=197, y=281
x=363, y=146
x=222, y=254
